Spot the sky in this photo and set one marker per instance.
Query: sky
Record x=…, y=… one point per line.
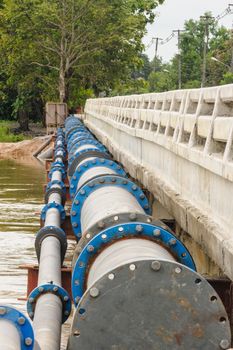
x=172, y=15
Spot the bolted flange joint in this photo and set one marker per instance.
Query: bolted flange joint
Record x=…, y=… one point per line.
x=58, y=190
x=126, y=230
x=51, y=231
x=50, y=288
x=98, y=162
x=22, y=324
x=98, y=182
x=57, y=168
x=85, y=154
x=54, y=205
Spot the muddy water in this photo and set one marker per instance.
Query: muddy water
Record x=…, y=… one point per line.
x=21, y=200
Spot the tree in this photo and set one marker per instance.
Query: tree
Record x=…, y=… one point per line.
x=49, y=47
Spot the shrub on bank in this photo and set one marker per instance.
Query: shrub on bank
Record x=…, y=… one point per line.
x=7, y=136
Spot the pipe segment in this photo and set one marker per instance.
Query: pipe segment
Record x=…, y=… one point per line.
x=120, y=246
x=16, y=332
x=49, y=305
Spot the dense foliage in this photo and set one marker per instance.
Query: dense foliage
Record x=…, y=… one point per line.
x=67, y=50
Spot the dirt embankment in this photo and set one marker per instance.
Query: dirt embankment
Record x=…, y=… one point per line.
x=21, y=149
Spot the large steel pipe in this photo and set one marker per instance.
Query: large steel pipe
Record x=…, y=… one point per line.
x=132, y=277
x=46, y=302
x=107, y=201
x=125, y=252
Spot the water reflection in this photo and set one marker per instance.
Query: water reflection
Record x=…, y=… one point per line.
x=21, y=200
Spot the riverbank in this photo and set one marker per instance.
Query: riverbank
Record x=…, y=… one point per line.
x=24, y=148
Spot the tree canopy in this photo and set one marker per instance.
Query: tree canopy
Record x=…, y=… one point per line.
x=61, y=48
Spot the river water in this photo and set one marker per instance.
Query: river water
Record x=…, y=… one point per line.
x=21, y=200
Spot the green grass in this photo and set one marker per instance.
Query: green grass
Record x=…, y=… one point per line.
x=6, y=135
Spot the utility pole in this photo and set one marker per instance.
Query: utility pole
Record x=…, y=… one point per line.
x=230, y=8
x=178, y=31
x=156, y=40
x=207, y=21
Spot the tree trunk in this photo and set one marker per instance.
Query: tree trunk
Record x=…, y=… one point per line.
x=62, y=85
x=23, y=120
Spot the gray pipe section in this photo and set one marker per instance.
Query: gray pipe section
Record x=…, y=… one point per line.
x=47, y=322
x=9, y=335
x=105, y=201
x=48, y=312
x=125, y=252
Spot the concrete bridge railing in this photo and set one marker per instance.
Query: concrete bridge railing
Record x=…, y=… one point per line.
x=179, y=145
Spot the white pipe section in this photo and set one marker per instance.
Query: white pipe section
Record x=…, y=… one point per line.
x=105, y=201
x=50, y=262
x=9, y=335
x=90, y=173
x=47, y=322
x=57, y=175
x=125, y=252
x=83, y=147
x=53, y=217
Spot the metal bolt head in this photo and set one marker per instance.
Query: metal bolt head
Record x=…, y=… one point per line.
x=31, y=300
x=139, y=228
x=66, y=312
x=77, y=300
x=90, y=248
x=133, y=216
x=178, y=269
x=156, y=265
x=2, y=311
x=94, y=292
x=66, y=298
x=55, y=289
x=41, y=289
x=156, y=233
x=224, y=344
x=172, y=241
x=21, y=321
x=28, y=341
x=101, y=224
x=134, y=187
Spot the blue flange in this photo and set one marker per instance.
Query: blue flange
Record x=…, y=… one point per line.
x=56, y=182
x=127, y=230
x=73, y=131
x=22, y=324
x=57, y=168
x=77, y=134
x=101, y=181
x=97, y=162
x=81, y=152
x=57, y=164
x=52, y=289
x=78, y=140
x=56, y=206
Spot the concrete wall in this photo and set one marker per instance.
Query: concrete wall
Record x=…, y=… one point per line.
x=178, y=144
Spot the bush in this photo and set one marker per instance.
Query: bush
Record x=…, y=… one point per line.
x=7, y=136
